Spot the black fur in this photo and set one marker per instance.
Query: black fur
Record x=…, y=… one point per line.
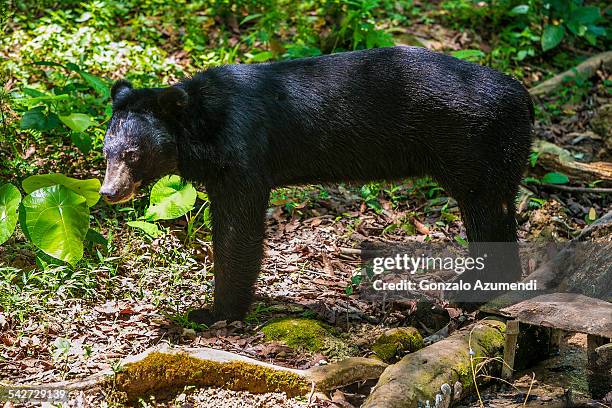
x=385, y=113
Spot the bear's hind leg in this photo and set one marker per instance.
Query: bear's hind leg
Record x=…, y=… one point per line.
x=491, y=230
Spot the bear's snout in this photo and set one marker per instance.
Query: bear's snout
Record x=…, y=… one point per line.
x=118, y=185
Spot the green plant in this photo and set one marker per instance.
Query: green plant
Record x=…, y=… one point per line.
x=10, y=198
x=520, y=29
x=555, y=178
x=171, y=198
x=149, y=228
x=469, y=55
x=358, y=26
x=56, y=221
x=54, y=215
x=370, y=194
x=570, y=17
x=64, y=105
x=549, y=178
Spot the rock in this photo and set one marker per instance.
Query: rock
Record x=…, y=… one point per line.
x=189, y=333
x=395, y=343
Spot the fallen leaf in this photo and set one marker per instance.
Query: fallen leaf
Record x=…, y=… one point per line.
x=422, y=228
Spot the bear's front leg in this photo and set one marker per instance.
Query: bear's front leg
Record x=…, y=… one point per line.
x=238, y=216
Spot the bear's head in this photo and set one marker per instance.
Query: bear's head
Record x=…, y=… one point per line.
x=140, y=142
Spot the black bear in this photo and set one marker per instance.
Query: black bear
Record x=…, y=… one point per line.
x=375, y=114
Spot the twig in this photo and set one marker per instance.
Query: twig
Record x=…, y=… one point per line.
x=351, y=251
x=312, y=390
x=597, y=190
x=471, y=353
x=529, y=391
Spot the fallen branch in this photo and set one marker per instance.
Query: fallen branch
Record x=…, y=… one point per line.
x=586, y=68
x=351, y=251
x=555, y=158
x=595, y=190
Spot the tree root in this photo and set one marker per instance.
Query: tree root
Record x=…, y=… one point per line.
x=587, y=68
x=426, y=374
x=164, y=370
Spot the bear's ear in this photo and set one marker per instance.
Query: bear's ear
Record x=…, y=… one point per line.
x=120, y=87
x=172, y=99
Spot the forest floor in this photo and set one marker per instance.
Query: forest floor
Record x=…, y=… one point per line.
x=305, y=273
x=148, y=285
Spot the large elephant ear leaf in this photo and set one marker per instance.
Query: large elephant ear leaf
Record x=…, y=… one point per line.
x=57, y=221
x=90, y=189
x=10, y=197
x=170, y=198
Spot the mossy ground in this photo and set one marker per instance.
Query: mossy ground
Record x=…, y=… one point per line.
x=299, y=333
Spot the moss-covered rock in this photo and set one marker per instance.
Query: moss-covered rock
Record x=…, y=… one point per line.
x=299, y=333
x=395, y=343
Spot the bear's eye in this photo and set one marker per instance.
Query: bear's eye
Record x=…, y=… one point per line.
x=130, y=155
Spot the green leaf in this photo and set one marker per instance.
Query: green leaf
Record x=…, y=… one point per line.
x=461, y=241
x=34, y=119
x=72, y=67
x=48, y=64
x=90, y=188
x=148, y=228
x=57, y=220
x=207, y=217
x=552, y=36
x=468, y=55
x=96, y=83
x=520, y=9
x=555, y=178
x=170, y=199
x=261, y=56
x=95, y=237
x=52, y=121
x=533, y=158
x=249, y=18
x=596, y=30
x=82, y=141
x=10, y=197
x=531, y=180
x=585, y=15
x=79, y=122
x=44, y=261
x=34, y=93
x=45, y=98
